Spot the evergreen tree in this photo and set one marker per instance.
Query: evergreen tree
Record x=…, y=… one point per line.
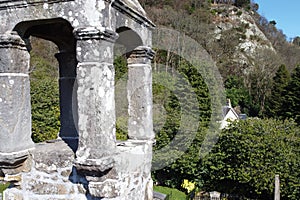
x=238, y=93
x=242, y=3
x=275, y=100
x=291, y=103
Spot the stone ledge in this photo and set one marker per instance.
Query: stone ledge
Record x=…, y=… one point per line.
x=94, y=166
x=52, y=155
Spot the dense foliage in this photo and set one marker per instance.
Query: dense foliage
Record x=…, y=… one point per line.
x=44, y=95
x=238, y=94
x=249, y=154
x=274, y=102
x=175, y=99
x=291, y=95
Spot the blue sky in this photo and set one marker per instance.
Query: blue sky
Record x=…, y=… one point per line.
x=286, y=13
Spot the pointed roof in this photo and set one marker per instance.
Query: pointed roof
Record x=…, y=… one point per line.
x=135, y=5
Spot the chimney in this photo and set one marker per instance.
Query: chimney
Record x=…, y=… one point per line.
x=229, y=103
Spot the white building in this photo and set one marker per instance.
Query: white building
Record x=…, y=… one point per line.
x=229, y=115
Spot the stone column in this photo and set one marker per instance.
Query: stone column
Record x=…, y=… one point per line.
x=96, y=99
x=15, y=108
x=139, y=87
x=67, y=88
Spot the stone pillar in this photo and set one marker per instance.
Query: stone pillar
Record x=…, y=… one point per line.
x=67, y=87
x=96, y=99
x=15, y=108
x=139, y=87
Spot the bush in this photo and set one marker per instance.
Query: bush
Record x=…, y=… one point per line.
x=44, y=99
x=249, y=154
x=3, y=187
x=45, y=110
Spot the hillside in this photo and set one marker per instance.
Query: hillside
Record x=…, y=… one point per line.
x=254, y=59
x=244, y=45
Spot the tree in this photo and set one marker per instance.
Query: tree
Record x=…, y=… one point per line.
x=249, y=154
x=296, y=41
x=44, y=98
x=275, y=100
x=291, y=103
x=258, y=81
x=238, y=93
x=45, y=110
x=174, y=94
x=242, y=3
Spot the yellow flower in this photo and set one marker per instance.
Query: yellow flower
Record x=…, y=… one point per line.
x=189, y=186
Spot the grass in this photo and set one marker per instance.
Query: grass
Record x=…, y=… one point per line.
x=174, y=194
x=3, y=187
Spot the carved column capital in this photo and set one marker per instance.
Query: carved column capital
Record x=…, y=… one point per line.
x=89, y=33
x=13, y=48
x=12, y=40
x=94, y=45
x=141, y=55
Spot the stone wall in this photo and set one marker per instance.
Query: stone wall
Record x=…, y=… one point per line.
x=86, y=161
x=52, y=175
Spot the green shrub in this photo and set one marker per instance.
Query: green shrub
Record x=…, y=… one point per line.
x=45, y=110
x=249, y=154
x=44, y=99
x=3, y=187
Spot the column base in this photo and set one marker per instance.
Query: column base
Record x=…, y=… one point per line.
x=94, y=167
x=15, y=162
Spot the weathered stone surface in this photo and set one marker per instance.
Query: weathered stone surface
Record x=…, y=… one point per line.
x=106, y=189
x=85, y=33
x=13, y=160
x=140, y=125
x=96, y=111
x=40, y=187
x=15, y=114
x=12, y=194
x=149, y=190
x=14, y=55
x=134, y=166
x=53, y=157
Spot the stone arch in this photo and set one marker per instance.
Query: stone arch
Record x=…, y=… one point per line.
x=60, y=32
x=128, y=38
x=57, y=30
x=127, y=41
x=139, y=84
